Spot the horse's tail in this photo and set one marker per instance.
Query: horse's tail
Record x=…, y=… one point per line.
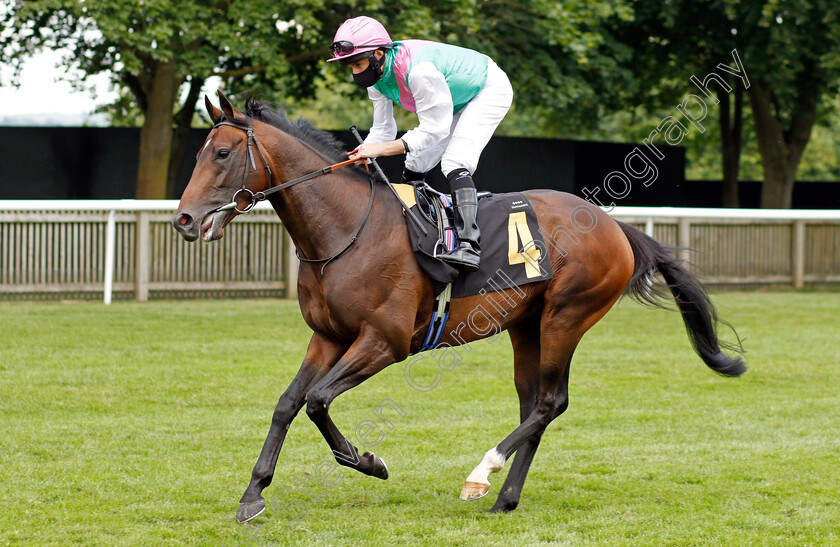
x=692, y=300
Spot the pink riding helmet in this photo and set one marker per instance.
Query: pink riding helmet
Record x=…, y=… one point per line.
x=364, y=33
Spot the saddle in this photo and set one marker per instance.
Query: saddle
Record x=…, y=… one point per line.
x=511, y=242
x=438, y=209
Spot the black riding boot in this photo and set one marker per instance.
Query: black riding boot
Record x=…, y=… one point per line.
x=466, y=256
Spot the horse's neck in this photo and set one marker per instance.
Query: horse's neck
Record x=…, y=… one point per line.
x=321, y=214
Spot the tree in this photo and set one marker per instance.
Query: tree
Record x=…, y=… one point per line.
x=801, y=56
x=791, y=54
x=161, y=52
x=562, y=59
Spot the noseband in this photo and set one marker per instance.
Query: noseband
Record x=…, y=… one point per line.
x=256, y=197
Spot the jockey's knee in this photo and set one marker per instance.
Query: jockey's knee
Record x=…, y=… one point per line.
x=460, y=178
x=449, y=166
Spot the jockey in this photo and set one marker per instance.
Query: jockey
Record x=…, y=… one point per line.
x=459, y=95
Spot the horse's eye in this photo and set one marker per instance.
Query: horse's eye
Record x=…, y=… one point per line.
x=222, y=153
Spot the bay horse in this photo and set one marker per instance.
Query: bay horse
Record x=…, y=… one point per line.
x=362, y=292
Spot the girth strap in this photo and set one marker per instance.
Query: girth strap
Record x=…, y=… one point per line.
x=439, y=316
x=441, y=310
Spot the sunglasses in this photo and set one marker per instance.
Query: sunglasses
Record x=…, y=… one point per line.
x=343, y=47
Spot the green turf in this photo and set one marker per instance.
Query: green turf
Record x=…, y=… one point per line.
x=138, y=424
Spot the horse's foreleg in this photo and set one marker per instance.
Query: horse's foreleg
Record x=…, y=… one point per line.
x=369, y=354
x=320, y=356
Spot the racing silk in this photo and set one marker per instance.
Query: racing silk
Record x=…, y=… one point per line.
x=464, y=70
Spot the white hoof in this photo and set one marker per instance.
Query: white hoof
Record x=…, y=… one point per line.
x=474, y=490
x=477, y=485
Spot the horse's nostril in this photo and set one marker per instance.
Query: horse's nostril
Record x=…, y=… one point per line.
x=185, y=225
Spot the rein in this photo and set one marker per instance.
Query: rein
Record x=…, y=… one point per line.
x=256, y=197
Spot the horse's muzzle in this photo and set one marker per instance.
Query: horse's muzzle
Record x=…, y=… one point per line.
x=209, y=226
x=185, y=225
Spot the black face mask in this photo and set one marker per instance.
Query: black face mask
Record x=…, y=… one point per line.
x=367, y=77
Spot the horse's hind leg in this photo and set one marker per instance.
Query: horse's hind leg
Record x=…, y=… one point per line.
x=526, y=349
x=567, y=315
x=525, y=339
x=552, y=400
x=320, y=357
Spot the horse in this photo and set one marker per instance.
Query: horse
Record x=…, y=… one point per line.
x=368, y=303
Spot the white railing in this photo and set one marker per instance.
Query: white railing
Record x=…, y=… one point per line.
x=748, y=246
x=128, y=246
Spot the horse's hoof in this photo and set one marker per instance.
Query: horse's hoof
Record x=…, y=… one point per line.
x=249, y=510
x=380, y=469
x=503, y=507
x=474, y=490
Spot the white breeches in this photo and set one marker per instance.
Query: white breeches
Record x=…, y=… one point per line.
x=471, y=128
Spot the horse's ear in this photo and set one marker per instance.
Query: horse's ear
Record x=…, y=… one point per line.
x=214, y=113
x=227, y=108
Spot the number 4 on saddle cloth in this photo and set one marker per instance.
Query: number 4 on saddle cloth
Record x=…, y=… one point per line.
x=512, y=247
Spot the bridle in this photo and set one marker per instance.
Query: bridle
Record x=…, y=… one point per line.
x=256, y=197
x=249, y=158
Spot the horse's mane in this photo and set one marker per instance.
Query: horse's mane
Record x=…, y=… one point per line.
x=301, y=129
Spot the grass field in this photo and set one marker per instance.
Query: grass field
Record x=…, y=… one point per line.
x=138, y=424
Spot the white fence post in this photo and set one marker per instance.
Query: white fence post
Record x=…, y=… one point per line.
x=144, y=256
x=110, y=244
x=684, y=238
x=798, y=254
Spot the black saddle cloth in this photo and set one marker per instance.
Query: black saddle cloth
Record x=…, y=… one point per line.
x=512, y=247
